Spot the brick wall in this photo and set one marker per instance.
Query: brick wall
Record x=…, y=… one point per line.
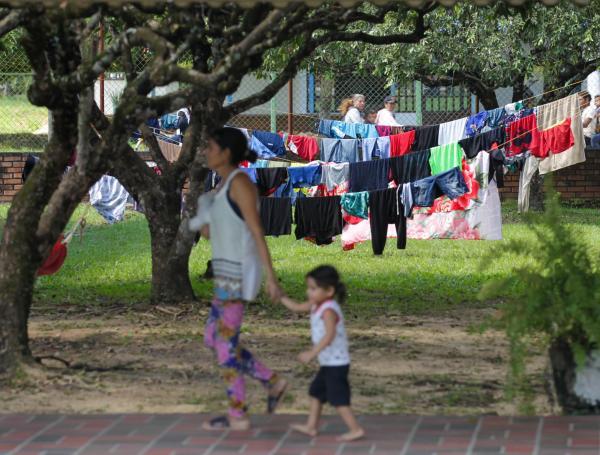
x=11, y=168
x=580, y=183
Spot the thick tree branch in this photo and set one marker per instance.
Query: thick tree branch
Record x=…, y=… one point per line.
x=280, y=80
x=154, y=148
x=11, y=21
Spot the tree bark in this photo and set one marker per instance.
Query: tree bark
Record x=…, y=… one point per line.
x=21, y=250
x=170, y=266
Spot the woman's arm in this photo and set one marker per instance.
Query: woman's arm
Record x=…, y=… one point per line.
x=244, y=194
x=294, y=306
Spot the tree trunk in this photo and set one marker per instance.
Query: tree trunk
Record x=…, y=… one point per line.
x=536, y=195
x=488, y=99
x=17, y=276
x=170, y=271
x=564, y=373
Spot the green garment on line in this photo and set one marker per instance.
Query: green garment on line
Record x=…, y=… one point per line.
x=356, y=204
x=445, y=157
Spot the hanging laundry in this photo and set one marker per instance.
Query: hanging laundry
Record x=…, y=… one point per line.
x=553, y=113
x=484, y=141
x=335, y=175
x=499, y=160
x=406, y=199
x=531, y=167
x=452, y=131
x=55, y=259
x=339, y=150
x=401, y=144
x=260, y=164
x=383, y=130
x=275, y=163
x=523, y=135
x=495, y=117
x=212, y=180
x=475, y=123
x=557, y=139
x=109, y=198
x=378, y=147
x=269, y=179
x=276, y=215
x=426, y=137
x=305, y=176
x=272, y=141
x=306, y=147
x=324, y=128
x=319, y=218
x=356, y=204
x=411, y=167
x=261, y=150
x=426, y=191
x=385, y=209
x=369, y=175
x=250, y=172
x=513, y=108
x=445, y=157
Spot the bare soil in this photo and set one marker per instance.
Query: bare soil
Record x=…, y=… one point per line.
x=149, y=359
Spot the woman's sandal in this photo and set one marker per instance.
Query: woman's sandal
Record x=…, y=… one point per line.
x=217, y=424
x=274, y=400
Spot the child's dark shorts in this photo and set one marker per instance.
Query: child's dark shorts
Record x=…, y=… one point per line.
x=331, y=386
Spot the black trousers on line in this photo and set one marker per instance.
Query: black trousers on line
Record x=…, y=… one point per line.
x=384, y=211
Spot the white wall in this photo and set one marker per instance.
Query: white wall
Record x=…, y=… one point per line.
x=250, y=85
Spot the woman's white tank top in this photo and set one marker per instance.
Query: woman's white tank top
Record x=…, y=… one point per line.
x=235, y=261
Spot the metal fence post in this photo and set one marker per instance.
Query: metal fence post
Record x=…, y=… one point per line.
x=290, y=118
x=419, y=102
x=101, y=78
x=273, y=106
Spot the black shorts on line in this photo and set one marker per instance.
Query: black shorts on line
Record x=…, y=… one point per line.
x=331, y=386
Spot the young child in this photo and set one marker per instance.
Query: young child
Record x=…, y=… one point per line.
x=330, y=385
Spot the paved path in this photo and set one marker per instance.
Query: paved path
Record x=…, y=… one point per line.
x=174, y=434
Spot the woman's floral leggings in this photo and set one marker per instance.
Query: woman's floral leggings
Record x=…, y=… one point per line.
x=222, y=334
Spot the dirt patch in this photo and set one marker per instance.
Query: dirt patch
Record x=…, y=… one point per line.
x=149, y=360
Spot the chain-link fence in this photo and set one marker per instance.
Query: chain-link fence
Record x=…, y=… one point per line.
x=296, y=108
x=22, y=126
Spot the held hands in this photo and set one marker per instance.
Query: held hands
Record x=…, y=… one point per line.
x=274, y=290
x=306, y=356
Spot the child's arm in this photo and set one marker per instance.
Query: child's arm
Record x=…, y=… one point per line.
x=294, y=306
x=330, y=318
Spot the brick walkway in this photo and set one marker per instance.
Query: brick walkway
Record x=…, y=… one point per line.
x=181, y=434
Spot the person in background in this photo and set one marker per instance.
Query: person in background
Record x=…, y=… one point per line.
x=371, y=117
x=596, y=137
x=184, y=116
x=385, y=117
x=351, y=109
x=589, y=116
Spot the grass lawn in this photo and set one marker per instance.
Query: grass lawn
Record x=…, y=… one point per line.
x=19, y=119
x=112, y=264
x=409, y=316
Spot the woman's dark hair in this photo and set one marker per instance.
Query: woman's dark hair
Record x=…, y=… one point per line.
x=234, y=140
x=326, y=276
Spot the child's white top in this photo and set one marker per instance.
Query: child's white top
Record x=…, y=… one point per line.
x=336, y=354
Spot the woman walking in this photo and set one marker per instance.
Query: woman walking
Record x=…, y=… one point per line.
x=239, y=252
